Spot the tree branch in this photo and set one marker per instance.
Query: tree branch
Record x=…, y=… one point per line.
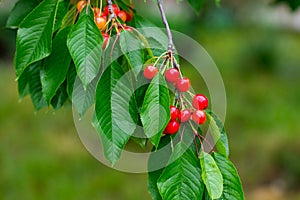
x=171, y=48
x=110, y=9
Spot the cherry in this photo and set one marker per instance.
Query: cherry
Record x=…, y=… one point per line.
x=97, y=13
x=200, y=102
x=106, y=37
x=122, y=15
x=128, y=28
x=115, y=9
x=199, y=116
x=150, y=71
x=172, y=75
x=100, y=22
x=183, y=85
x=129, y=15
x=174, y=113
x=172, y=127
x=184, y=115
x=80, y=5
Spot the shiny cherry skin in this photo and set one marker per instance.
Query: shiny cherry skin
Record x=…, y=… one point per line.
x=115, y=9
x=80, y=5
x=183, y=85
x=150, y=71
x=122, y=15
x=199, y=116
x=172, y=127
x=128, y=28
x=129, y=15
x=172, y=75
x=100, y=22
x=174, y=113
x=200, y=102
x=184, y=115
x=97, y=12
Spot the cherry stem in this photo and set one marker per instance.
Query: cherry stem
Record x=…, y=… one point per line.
x=114, y=44
x=200, y=137
x=159, y=58
x=204, y=139
x=182, y=132
x=171, y=48
x=196, y=145
x=101, y=5
x=172, y=145
x=87, y=6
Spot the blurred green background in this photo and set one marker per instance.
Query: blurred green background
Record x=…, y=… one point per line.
x=256, y=47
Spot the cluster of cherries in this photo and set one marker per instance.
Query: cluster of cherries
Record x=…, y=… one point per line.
x=101, y=18
x=199, y=102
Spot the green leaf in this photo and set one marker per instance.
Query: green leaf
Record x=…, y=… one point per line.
x=293, y=4
x=156, y=160
x=56, y=66
x=71, y=78
x=155, y=112
x=60, y=97
x=218, y=132
x=137, y=99
x=157, y=38
x=181, y=179
x=35, y=86
x=133, y=51
x=85, y=45
x=140, y=141
x=61, y=12
x=68, y=19
x=233, y=189
x=23, y=84
x=211, y=175
x=21, y=9
x=112, y=109
x=82, y=98
x=34, y=37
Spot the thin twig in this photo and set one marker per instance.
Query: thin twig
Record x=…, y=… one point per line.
x=165, y=21
x=111, y=9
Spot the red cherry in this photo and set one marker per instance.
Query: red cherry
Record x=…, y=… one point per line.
x=129, y=16
x=115, y=9
x=184, y=116
x=174, y=113
x=106, y=37
x=172, y=75
x=199, y=116
x=100, y=22
x=122, y=15
x=127, y=28
x=80, y=5
x=150, y=71
x=183, y=85
x=200, y=102
x=98, y=13
x=172, y=127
